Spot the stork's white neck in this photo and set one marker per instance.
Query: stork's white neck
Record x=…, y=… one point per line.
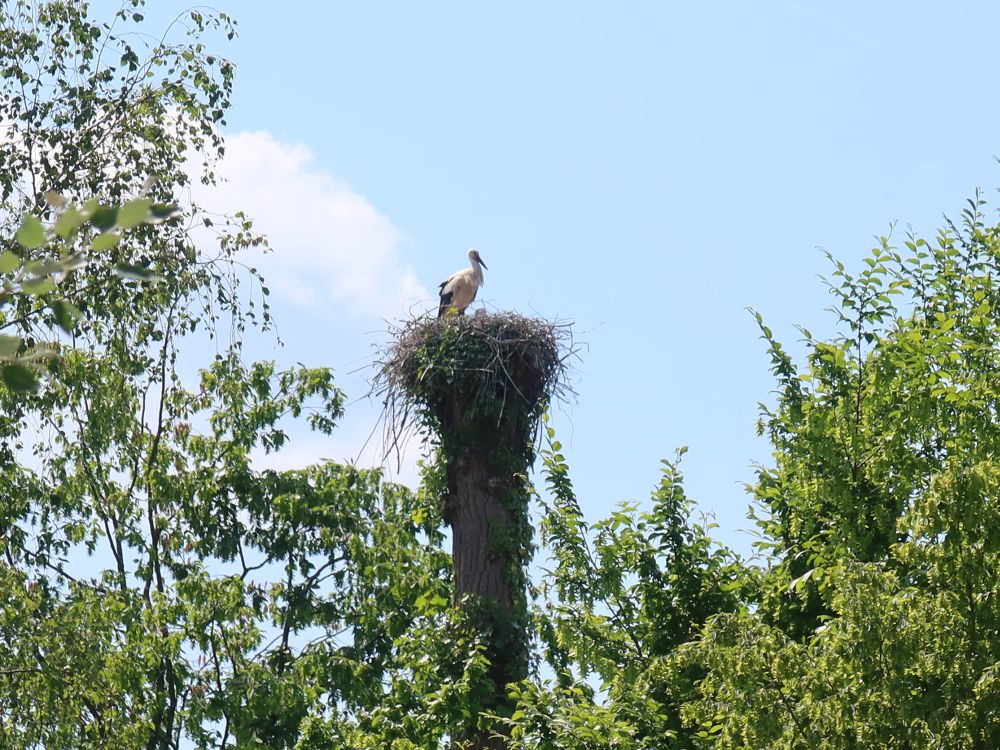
x=477, y=269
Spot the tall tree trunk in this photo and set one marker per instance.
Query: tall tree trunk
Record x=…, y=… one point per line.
x=482, y=382
x=487, y=521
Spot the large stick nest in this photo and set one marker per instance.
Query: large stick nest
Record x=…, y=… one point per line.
x=487, y=365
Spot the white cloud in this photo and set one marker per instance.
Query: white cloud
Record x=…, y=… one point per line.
x=329, y=242
x=337, y=265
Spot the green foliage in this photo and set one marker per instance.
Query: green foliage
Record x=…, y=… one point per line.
x=877, y=623
x=40, y=276
x=623, y=596
x=874, y=621
x=158, y=590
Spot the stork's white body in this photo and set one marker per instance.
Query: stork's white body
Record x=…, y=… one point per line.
x=459, y=290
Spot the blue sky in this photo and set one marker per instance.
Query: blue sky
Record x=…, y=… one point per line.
x=647, y=170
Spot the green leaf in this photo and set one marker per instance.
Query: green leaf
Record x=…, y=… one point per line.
x=162, y=211
x=69, y=221
x=38, y=286
x=20, y=379
x=105, y=241
x=134, y=213
x=43, y=267
x=9, y=262
x=67, y=314
x=136, y=273
x=104, y=217
x=31, y=234
x=9, y=346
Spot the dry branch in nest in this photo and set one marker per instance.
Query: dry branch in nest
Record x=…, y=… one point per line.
x=455, y=369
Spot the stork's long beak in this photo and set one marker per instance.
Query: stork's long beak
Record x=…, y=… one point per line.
x=482, y=264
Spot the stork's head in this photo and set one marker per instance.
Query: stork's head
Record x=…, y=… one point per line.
x=474, y=257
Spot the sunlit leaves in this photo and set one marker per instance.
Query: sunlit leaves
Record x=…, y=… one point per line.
x=69, y=221
x=100, y=217
x=135, y=273
x=872, y=627
x=40, y=277
x=31, y=233
x=871, y=621
x=104, y=601
x=134, y=213
x=9, y=262
x=625, y=593
x=105, y=241
x=38, y=285
x=18, y=378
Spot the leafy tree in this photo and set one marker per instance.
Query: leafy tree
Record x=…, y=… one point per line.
x=874, y=620
x=623, y=596
x=878, y=623
x=40, y=277
x=157, y=590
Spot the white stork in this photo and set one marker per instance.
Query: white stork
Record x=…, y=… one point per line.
x=459, y=289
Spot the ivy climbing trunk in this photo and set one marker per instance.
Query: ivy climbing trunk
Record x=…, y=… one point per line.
x=487, y=509
x=480, y=520
x=480, y=384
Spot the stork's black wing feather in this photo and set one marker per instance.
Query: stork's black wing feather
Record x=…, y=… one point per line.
x=445, y=301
